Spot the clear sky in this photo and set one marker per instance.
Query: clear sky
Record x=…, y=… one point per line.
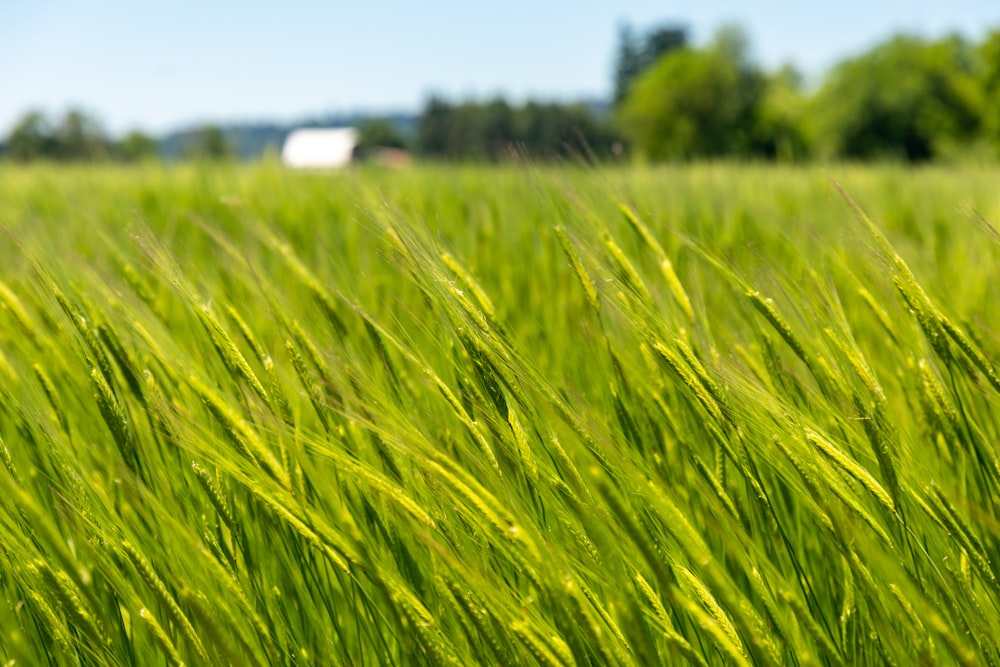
x=161, y=65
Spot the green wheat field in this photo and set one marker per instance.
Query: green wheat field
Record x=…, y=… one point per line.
x=711, y=415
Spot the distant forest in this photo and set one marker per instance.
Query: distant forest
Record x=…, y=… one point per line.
x=906, y=99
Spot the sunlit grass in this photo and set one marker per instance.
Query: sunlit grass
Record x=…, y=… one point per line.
x=715, y=414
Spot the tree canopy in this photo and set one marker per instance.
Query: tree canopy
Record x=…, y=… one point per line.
x=495, y=130
x=209, y=143
x=636, y=53
x=696, y=103
x=76, y=137
x=988, y=57
x=907, y=98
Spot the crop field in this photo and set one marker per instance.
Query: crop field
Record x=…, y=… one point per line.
x=711, y=415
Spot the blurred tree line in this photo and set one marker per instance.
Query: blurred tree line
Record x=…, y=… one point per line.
x=495, y=130
x=79, y=137
x=907, y=98
x=76, y=137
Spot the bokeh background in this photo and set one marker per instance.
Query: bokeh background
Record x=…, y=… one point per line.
x=449, y=80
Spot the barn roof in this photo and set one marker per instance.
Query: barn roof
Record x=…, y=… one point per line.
x=319, y=148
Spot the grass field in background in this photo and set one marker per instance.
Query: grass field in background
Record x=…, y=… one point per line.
x=720, y=414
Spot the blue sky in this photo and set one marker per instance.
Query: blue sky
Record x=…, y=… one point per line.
x=158, y=66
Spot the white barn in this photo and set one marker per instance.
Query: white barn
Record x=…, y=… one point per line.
x=314, y=148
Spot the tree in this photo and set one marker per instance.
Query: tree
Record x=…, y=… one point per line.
x=696, y=103
x=209, y=143
x=906, y=98
x=464, y=140
x=548, y=131
x=31, y=138
x=136, y=146
x=779, y=132
x=661, y=41
x=496, y=129
x=628, y=63
x=377, y=133
x=988, y=54
x=465, y=131
x=432, y=128
x=636, y=55
x=80, y=137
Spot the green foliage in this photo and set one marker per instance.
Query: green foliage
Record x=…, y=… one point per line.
x=433, y=128
x=495, y=131
x=989, y=81
x=549, y=130
x=907, y=98
x=374, y=134
x=498, y=416
x=77, y=137
x=779, y=132
x=696, y=103
x=208, y=143
x=31, y=138
x=137, y=146
x=635, y=55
